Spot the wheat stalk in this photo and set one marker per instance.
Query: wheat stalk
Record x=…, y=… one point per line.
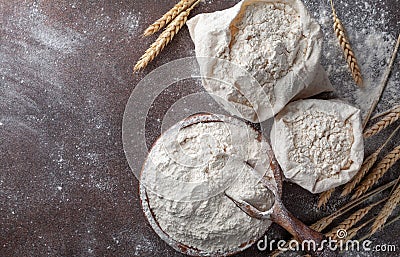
x=353, y=232
x=348, y=224
x=345, y=225
x=385, y=112
x=387, y=210
x=323, y=223
x=326, y=221
x=387, y=224
x=164, y=38
x=324, y=197
x=366, y=166
x=382, y=167
x=387, y=120
x=346, y=47
x=168, y=17
x=395, y=186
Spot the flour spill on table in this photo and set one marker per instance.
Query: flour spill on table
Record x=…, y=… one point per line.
x=131, y=22
x=65, y=181
x=372, y=42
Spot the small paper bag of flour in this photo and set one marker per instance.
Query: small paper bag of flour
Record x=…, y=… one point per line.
x=257, y=56
x=318, y=143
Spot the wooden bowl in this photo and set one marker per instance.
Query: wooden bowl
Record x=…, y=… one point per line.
x=180, y=247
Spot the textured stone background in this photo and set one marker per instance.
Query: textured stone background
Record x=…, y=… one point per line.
x=65, y=77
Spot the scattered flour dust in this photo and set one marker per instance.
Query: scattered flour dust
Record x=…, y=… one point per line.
x=131, y=22
x=373, y=44
x=204, y=152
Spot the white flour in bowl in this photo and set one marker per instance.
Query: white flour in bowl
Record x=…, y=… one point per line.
x=187, y=173
x=318, y=143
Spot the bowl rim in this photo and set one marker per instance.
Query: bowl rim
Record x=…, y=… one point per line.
x=144, y=200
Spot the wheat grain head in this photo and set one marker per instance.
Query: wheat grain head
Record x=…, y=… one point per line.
x=387, y=120
x=324, y=197
x=164, y=38
x=346, y=47
x=382, y=167
x=168, y=17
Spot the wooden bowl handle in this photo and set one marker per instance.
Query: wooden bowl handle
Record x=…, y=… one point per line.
x=300, y=231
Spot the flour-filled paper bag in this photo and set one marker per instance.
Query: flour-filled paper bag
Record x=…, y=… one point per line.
x=259, y=55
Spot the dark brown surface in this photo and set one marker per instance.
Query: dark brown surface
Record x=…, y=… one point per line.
x=65, y=77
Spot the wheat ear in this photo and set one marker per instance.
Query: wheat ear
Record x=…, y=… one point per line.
x=324, y=197
x=382, y=167
x=387, y=210
x=168, y=17
x=317, y=226
x=346, y=47
x=349, y=223
x=387, y=120
x=366, y=166
x=326, y=221
x=353, y=232
x=164, y=38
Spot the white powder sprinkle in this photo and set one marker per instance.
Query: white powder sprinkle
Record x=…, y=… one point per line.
x=131, y=22
x=373, y=45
